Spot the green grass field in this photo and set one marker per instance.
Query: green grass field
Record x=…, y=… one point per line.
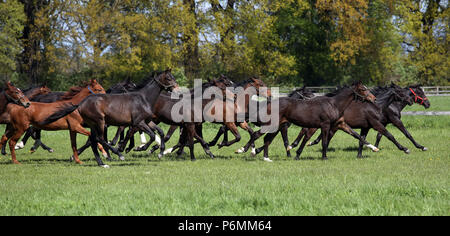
x=385, y=183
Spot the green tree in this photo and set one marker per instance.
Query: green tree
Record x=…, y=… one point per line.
x=12, y=19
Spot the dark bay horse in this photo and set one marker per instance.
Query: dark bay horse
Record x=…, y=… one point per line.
x=49, y=116
x=393, y=113
x=133, y=109
x=324, y=112
x=366, y=116
x=191, y=129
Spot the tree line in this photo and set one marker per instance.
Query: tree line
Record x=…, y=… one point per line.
x=287, y=43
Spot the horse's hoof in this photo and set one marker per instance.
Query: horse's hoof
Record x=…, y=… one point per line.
x=289, y=148
x=193, y=160
x=297, y=158
x=104, y=166
x=253, y=152
x=374, y=149
x=266, y=159
x=51, y=150
x=324, y=158
x=424, y=149
x=16, y=162
x=160, y=155
x=407, y=151
x=167, y=151
x=71, y=158
x=240, y=150
x=32, y=151
x=122, y=158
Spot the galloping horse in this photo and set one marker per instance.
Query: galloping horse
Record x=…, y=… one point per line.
x=393, y=113
x=190, y=129
x=366, y=115
x=37, y=115
x=130, y=109
x=322, y=112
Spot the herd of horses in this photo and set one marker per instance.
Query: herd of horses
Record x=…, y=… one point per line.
x=142, y=107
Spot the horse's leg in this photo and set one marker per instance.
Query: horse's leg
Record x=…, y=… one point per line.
x=118, y=134
x=181, y=142
x=268, y=138
x=190, y=143
x=377, y=142
x=298, y=139
x=25, y=138
x=317, y=141
x=364, y=133
x=284, y=134
x=251, y=142
x=103, y=142
x=309, y=133
x=232, y=127
x=194, y=129
x=122, y=143
x=218, y=135
x=381, y=129
x=244, y=125
x=73, y=142
x=94, y=142
x=6, y=136
x=344, y=127
x=38, y=142
x=399, y=124
x=325, y=133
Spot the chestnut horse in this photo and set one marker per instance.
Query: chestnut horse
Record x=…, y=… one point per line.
x=38, y=113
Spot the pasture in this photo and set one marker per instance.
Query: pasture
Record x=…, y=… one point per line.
x=385, y=183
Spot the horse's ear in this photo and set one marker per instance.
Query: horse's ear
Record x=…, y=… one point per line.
x=169, y=70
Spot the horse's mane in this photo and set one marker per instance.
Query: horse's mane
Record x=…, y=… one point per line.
x=243, y=82
x=299, y=90
x=147, y=79
x=337, y=91
x=74, y=91
x=383, y=95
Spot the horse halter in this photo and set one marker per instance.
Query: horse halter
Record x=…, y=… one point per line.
x=416, y=97
x=90, y=90
x=165, y=87
x=16, y=101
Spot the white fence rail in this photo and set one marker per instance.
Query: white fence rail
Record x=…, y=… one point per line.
x=429, y=90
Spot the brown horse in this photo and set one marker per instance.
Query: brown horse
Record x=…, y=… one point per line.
x=20, y=119
x=131, y=109
x=324, y=112
x=9, y=95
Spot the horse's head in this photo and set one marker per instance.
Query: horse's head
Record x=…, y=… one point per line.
x=16, y=96
x=360, y=90
x=401, y=94
x=417, y=93
x=226, y=81
x=258, y=84
x=167, y=81
x=44, y=90
x=95, y=88
x=302, y=93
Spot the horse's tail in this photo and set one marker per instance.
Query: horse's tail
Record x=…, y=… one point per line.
x=64, y=110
